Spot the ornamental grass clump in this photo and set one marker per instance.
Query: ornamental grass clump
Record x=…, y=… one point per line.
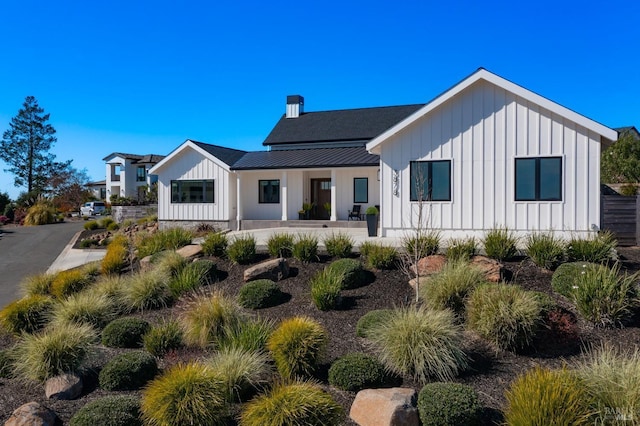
x=38, y=284
x=351, y=271
x=241, y=370
x=356, y=371
x=449, y=288
x=449, y=404
x=163, y=337
x=325, y=289
x=242, y=250
x=379, y=256
x=420, y=342
x=305, y=248
x=169, y=261
x=69, y=282
x=292, y=403
x=547, y=397
x=504, y=314
x=461, y=249
x=251, y=334
x=86, y=307
x=500, y=244
x=125, y=332
x=146, y=290
x=168, y=239
x=128, y=371
x=260, y=294
x=192, y=276
x=545, y=250
x=113, y=410
x=280, y=245
x=215, y=244
x=422, y=244
x=206, y=317
x=26, y=315
x=339, y=245
x=186, y=394
x=117, y=255
x=599, y=249
x=41, y=213
x=297, y=346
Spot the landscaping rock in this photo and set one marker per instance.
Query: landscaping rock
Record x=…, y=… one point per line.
x=385, y=407
x=491, y=268
x=145, y=264
x=274, y=270
x=191, y=251
x=63, y=387
x=423, y=282
x=431, y=264
x=32, y=414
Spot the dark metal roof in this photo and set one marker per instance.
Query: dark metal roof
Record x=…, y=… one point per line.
x=150, y=158
x=339, y=125
x=307, y=158
x=136, y=158
x=227, y=155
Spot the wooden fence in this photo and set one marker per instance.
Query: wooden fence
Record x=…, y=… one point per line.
x=621, y=215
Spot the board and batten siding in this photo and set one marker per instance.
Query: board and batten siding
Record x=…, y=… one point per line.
x=190, y=165
x=482, y=130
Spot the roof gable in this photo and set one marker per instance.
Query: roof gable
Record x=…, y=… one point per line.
x=223, y=156
x=482, y=74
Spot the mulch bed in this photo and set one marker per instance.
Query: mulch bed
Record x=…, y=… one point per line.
x=491, y=373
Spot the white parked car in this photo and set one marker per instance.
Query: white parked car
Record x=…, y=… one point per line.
x=92, y=208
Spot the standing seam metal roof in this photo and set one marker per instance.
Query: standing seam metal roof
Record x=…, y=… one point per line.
x=307, y=158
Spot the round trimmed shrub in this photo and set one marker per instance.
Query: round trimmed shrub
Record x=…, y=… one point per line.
x=371, y=319
x=260, y=294
x=128, y=371
x=26, y=315
x=567, y=275
x=357, y=371
x=449, y=404
x=351, y=271
x=125, y=333
x=116, y=410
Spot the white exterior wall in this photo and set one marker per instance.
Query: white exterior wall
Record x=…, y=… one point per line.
x=192, y=165
x=482, y=130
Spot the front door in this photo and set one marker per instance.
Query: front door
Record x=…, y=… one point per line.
x=320, y=195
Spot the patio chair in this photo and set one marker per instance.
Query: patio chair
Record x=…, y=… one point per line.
x=355, y=212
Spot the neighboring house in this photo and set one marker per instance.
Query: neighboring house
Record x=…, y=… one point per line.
x=98, y=189
x=628, y=130
x=128, y=174
x=485, y=153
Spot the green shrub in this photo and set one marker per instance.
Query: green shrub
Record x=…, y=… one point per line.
x=250, y=335
x=113, y=410
x=506, y=315
x=461, y=249
x=215, y=244
x=146, y=290
x=567, y=276
x=366, y=248
x=350, y=270
x=125, y=332
x=422, y=244
x=6, y=364
x=605, y=297
x=371, y=319
x=280, y=245
x=546, y=250
x=105, y=222
x=206, y=318
x=113, y=226
x=41, y=213
x=168, y=239
x=356, y=371
x=611, y=377
x=116, y=257
x=53, y=351
x=500, y=244
x=91, y=225
x=169, y=261
x=194, y=275
x=325, y=289
x=187, y=394
x=69, y=282
x=305, y=248
x=260, y=294
x=295, y=403
x=38, y=284
x=111, y=286
x=85, y=308
x=547, y=397
x=241, y=370
x=339, y=245
x=128, y=371
x=449, y=404
x=297, y=346
x=26, y=315
x=162, y=338
x=381, y=257
x=628, y=189
x=242, y=250
x=420, y=342
x=449, y=288
x=599, y=249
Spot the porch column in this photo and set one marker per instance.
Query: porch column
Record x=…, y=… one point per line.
x=238, y=202
x=283, y=196
x=333, y=196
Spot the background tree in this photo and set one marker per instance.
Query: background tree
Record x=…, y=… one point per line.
x=5, y=200
x=621, y=161
x=25, y=146
x=66, y=186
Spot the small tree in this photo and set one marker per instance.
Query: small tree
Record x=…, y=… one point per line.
x=621, y=161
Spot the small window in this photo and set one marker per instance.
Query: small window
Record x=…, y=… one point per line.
x=192, y=191
x=430, y=180
x=539, y=179
x=269, y=191
x=360, y=190
x=141, y=174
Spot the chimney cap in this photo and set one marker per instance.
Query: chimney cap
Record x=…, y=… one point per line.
x=295, y=99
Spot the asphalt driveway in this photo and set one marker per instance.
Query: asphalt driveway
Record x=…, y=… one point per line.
x=29, y=250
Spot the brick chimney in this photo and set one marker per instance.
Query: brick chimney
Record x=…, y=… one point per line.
x=295, y=104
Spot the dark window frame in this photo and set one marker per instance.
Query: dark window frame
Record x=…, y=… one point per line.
x=261, y=199
x=537, y=179
x=413, y=195
x=203, y=182
x=360, y=200
x=142, y=178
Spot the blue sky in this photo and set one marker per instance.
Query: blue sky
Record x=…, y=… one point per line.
x=143, y=76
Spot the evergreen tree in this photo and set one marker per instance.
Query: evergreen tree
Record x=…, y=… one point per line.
x=621, y=161
x=25, y=146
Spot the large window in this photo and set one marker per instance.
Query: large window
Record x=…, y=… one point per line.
x=269, y=191
x=192, y=191
x=539, y=179
x=360, y=190
x=141, y=174
x=430, y=180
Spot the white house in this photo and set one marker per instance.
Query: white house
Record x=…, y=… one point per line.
x=485, y=153
x=127, y=175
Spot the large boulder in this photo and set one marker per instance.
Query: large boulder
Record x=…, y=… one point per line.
x=430, y=265
x=385, y=407
x=190, y=251
x=274, y=270
x=32, y=414
x=491, y=268
x=65, y=387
